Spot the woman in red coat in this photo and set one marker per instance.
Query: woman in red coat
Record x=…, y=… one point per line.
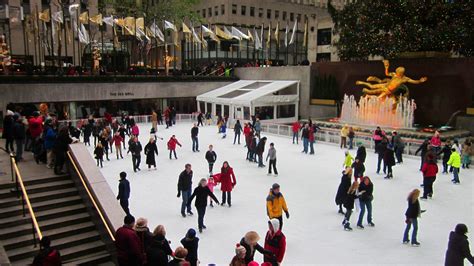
x=227, y=183
x=429, y=170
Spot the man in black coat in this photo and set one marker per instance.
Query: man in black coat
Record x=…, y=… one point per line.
x=135, y=148
x=185, y=183
x=211, y=158
x=19, y=134
x=458, y=247
x=7, y=134
x=202, y=192
x=380, y=149
x=124, y=192
x=260, y=149
x=191, y=243
x=194, y=137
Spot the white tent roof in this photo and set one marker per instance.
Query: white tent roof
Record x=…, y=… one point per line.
x=245, y=92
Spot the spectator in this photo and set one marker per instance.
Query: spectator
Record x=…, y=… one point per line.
x=47, y=256
x=239, y=258
x=124, y=192
x=458, y=247
x=179, y=258
x=159, y=249
x=128, y=244
x=19, y=134
x=7, y=134
x=60, y=148
x=190, y=242
x=145, y=236
x=49, y=138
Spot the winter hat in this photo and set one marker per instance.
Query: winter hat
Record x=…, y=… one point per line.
x=275, y=186
x=180, y=253
x=251, y=237
x=275, y=224
x=461, y=229
x=239, y=249
x=141, y=225
x=191, y=233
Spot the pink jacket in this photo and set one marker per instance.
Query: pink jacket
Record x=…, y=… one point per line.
x=378, y=136
x=135, y=130
x=211, y=185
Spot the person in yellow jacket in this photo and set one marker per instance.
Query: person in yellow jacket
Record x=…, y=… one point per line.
x=276, y=204
x=348, y=160
x=344, y=133
x=455, y=162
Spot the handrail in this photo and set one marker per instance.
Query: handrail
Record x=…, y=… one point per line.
x=28, y=204
x=91, y=197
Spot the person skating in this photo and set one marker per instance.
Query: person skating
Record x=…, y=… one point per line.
x=458, y=247
x=208, y=118
x=349, y=200
x=466, y=154
x=237, y=131
x=272, y=156
x=185, y=182
x=429, y=170
x=211, y=158
x=260, y=149
x=295, y=128
x=275, y=241
x=351, y=137
x=455, y=163
x=258, y=127
x=118, y=144
x=211, y=184
x=348, y=159
x=135, y=148
x=305, y=138
x=250, y=243
x=389, y=161
x=380, y=149
x=123, y=131
x=344, y=133
x=239, y=258
x=378, y=135
x=200, y=117
x=104, y=140
x=172, y=142
x=311, y=138
x=398, y=146
x=127, y=244
x=86, y=132
x=135, y=130
x=191, y=243
x=223, y=128
x=252, y=149
x=446, y=151
x=276, y=205
x=159, y=249
x=359, y=169
x=435, y=142
x=47, y=255
x=150, y=151
x=124, y=192
x=99, y=154
x=248, y=134
x=228, y=182
x=366, y=197
x=412, y=213
x=194, y=137
x=202, y=192
x=344, y=186
x=423, y=149
x=361, y=153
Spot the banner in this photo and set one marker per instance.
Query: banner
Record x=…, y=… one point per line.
x=170, y=26
x=292, y=39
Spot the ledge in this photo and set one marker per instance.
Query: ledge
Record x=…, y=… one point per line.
x=323, y=102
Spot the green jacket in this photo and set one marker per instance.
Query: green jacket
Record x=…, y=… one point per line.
x=455, y=159
x=348, y=161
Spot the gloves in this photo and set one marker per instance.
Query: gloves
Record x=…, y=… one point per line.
x=118, y=197
x=407, y=220
x=179, y=194
x=287, y=215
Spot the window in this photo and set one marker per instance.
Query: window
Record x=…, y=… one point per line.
x=234, y=9
x=264, y=112
x=286, y=111
x=292, y=16
x=243, y=10
x=298, y=17
x=323, y=57
x=324, y=36
x=222, y=10
x=260, y=12
x=284, y=15
x=277, y=14
x=252, y=11
x=204, y=13
x=269, y=13
x=209, y=12
x=216, y=11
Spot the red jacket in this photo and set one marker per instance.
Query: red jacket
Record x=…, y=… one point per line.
x=128, y=246
x=435, y=141
x=311, y=134
x=276, y=244
x=35, y=124
x=247, y=131
x=429, y=169
x=227, y=180
x=172, y=143
x=117, y=140
x=47, y=257
x=296, y=126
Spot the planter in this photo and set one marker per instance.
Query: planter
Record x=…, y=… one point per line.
x=424, y=54
x=470, y=110
x=323, y=102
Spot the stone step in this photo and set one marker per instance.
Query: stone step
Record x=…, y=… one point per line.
x=49, y=186
x=41, y=206
x=46, y=179
x=42, y=196
x=102, y=258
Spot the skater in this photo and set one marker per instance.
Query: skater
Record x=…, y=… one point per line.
x=150, y=150
x=87, y=132
x=239, y=258
x=311, y=139
x=273, y=159
x=99, y=154
x=398, y=146
x=343, y=188
x=211, y=158
x=352, y=194
x=429, y=170
x=154, y=120
x=251, y=149
x=200, y=117
x=123, y=131
x=378, y=135
x=227, y=183
x=168, y=117
x=351, y=136
x=276, y=205
x=250, y=243
x=191, y=242
x=423, y=149
x=361, y=153
x=194, y=137
x=258, y=128
x=295, y=127
x=380, y=149
x=446, y=151
x=259, y=150
x=127, y=244
x=172, y=142
x=305, y=138
x=389, y=161
x=136, y=149
x=209, y=118
x=466, y=154
x=359, y=169
x=455, y=163
x=211, y=183
x=202, y=192
x=247, y=134
x=435, y=142
x=159, y=249
x=344, y=133
x=118, y=144
x=104, y=140
x=124, y=192
x=347, y=160
x=458, y=247
x=237, y=131
x=366, y=197
x=412, y=214
x=135, y=130
x=223, y=128
x=275, y=241
x=185, y=183
x=160, y=117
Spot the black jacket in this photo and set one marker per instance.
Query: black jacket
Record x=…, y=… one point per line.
x=458, y=250
x=423, y=148
x=305, y=133
x=446, y=151
x=202, y=193
x=380, y=148
x=342, y=189
x=349, y=201
x=135, y=148
x=19, y=131
x=192, y=246
x=99, y=152
x=124, y=189
x=185, y=180
x=194, y=132
x=158, y=251
x=413, y=210
x=359, y=168
x=237, y=128
x=211, y=156
x=261, y=146
x=150, y=150
x=361, y=154
x=367, y=195
x=249, y=254
x=389, y=157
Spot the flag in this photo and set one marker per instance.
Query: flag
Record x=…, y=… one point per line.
x=211, y=34
x=261, y=37
x=269, y=35
x=221, y=34
x=305, y=33
x=83, y=35
x=249, y=33
x=157, y=32
x=258, y=43
x=108, y=20
x=203, y=41
x=186, y=29
x=170, y=26
x=84, y=18
x=97, y=19
x=72, y=10
x=129, y=25
x=140, y=27
x=149, y=32
x=195, y=36
x=44, y=16
x=286, y=34
x=58, y=17
x=240, y=35
x=277, y=34
x=226, y=31
x=292, y=39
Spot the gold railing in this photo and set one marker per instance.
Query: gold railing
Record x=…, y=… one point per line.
x=26, y=199
x=109, y=231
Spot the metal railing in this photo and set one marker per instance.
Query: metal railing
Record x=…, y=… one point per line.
x=96, y=206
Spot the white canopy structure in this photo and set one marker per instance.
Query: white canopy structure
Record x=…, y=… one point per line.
x=271, y=100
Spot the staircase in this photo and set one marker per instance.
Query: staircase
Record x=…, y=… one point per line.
x=62, y=216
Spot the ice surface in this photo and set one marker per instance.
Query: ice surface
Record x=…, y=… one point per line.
x=309, y=183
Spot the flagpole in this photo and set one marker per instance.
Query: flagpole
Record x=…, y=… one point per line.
x=166, y=51
x=295, y=58
x=306, y=37
x=65, y=29
x=269, y=42
x=114, y=57
x=79, y=48
x=286, y=43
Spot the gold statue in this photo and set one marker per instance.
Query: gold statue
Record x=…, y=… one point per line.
x=5, y=59
x=387, y=87
x=96, y=59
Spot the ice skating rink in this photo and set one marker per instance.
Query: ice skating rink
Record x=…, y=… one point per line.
x=309, y=183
